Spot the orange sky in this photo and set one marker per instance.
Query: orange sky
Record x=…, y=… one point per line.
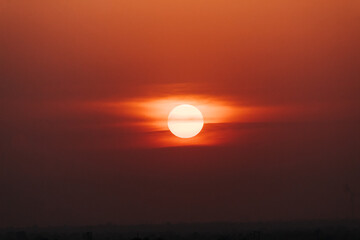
x=80, y=76
x=286, y=61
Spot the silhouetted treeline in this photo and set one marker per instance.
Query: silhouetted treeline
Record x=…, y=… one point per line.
x=317, y=230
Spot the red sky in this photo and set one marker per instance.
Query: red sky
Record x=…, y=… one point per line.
x=86, y=87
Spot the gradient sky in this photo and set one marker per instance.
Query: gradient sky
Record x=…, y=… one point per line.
x=86, y=87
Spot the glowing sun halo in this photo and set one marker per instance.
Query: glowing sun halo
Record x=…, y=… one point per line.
x=185, y=121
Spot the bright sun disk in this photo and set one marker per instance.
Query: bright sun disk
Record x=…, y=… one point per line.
x=185, y=121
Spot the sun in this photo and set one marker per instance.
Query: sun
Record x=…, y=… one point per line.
x=185, y=121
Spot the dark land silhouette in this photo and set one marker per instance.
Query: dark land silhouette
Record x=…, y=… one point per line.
x=321, y=229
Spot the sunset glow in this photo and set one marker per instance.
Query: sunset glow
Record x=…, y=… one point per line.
x=140, y=112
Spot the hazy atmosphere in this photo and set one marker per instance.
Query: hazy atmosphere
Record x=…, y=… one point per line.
x=87, y=86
